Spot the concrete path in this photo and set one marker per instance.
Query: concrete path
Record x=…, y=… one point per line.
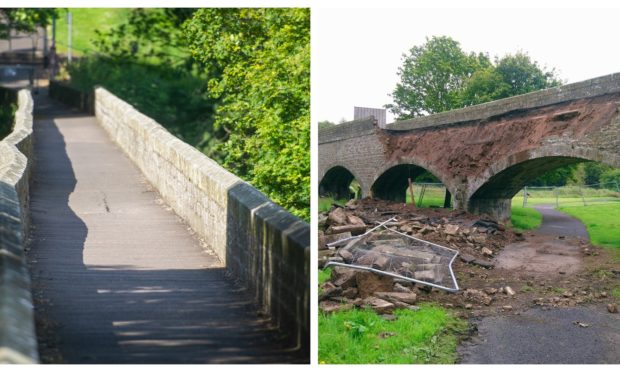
x=117, y=276
x=540, y=336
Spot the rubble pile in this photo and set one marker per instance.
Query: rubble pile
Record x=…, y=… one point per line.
x=349, y=288
x=478, y=240
x=397, y=254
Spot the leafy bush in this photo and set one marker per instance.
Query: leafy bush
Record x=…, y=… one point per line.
x=7, y=112
x=258, y=67
x=175, y=98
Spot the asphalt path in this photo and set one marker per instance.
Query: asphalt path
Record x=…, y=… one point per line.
x=579, y=335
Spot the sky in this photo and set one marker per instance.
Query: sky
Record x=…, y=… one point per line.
x=357, y=52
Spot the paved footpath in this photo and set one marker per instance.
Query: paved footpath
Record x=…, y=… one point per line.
x=117, y=276
x=550, y=336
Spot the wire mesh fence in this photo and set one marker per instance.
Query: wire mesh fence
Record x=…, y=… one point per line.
x=426, y=194
x=389, y=252
x=573, y=195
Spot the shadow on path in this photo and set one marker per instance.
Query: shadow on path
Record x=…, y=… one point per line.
x=116, y=277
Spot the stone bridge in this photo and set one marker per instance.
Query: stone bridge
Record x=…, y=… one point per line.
x=483, y=154
x=134, y=247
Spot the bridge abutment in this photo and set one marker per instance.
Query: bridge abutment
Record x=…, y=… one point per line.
x=498, y=209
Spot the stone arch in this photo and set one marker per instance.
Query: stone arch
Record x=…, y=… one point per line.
x=336, y=181
x=390, y=182
x=492, y=191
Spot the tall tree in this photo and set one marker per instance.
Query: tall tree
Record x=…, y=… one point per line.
x=24, y=19
x=432, y=76
x=258, y=64
x=510, y=76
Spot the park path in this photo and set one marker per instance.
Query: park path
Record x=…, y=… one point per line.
x=117, y=276
x=546, y=336
x=557, y=223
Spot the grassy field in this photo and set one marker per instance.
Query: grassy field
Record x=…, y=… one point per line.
x=602, y=222
x=85, y=22
x=568, y=196
x=426, y=336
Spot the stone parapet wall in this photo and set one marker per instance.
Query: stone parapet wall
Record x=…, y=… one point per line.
x=599, y=86
x=351, y=129
x=261, y=244
x=18, y=342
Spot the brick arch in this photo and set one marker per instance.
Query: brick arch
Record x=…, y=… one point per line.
x=390, y=181
x=418, y=162
x=339, y=178
x=492, y=191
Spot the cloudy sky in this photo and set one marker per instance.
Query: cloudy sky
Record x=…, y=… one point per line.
x=357, y=52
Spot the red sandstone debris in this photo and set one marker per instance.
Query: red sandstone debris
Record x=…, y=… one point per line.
x=369, y=283
x=477, y=296
x=408, y=298
x=612, y=308
x=337, y=217
x=380, y=306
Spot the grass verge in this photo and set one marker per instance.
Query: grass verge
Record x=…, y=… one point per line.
x=602, y=222
x=426, y=336
x=525, y=218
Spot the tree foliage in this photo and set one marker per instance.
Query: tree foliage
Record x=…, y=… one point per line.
x=24, y=19
x=258, y=66
x=432, y=76
x=439, y=76
x=326, y=124
x=510, y=76
x=151, y=35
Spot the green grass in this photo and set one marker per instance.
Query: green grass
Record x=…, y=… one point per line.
x=85, y=22
x=324, y=275
x=325, y=203
x=568, y=196
x=525, y=218
x=426, y=336
x=602, y=222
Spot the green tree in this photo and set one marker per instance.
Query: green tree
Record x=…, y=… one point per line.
x=594, y=171
x=258, y=67
x=432, y=77
x=557, y=177
x=512, y=75
x=151, y=35
x=326, y=124
x=24, y=19
x=611, y=179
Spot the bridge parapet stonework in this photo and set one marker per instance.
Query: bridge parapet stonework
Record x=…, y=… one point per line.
x=18, y=343
x=484, y=153
x=262, y=245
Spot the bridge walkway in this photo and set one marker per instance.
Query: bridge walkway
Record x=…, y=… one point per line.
x=117, y=276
